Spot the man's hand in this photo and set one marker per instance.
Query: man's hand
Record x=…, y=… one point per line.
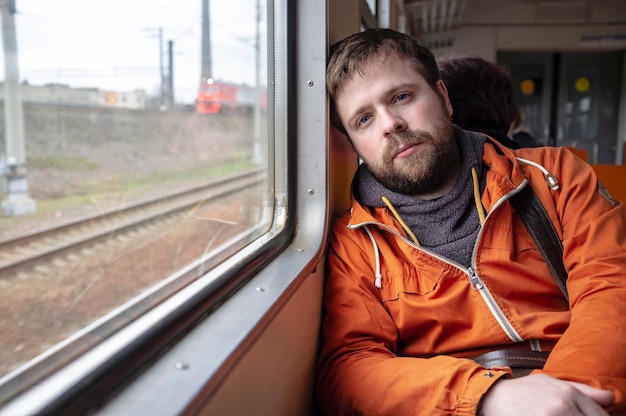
x=542, y=395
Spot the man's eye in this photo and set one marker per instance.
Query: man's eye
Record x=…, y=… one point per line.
x=363, y=120
x=402, y=97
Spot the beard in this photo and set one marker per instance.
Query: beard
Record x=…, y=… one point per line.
x=425, y=171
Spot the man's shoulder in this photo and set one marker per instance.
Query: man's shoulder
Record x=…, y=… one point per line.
x=341, y=220
x=353, y=217
x=547, y=154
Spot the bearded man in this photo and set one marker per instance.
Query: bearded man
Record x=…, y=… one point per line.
x=433, y=267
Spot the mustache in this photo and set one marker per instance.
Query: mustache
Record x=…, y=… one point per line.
x=404, y=138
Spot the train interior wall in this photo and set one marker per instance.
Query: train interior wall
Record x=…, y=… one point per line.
x=275, y=375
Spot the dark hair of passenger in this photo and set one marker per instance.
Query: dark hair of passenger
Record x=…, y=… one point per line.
x=482, y=93
x=349, y=56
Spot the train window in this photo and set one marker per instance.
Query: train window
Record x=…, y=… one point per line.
x=136, y=160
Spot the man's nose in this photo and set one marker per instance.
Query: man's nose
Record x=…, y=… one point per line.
x=393, y=122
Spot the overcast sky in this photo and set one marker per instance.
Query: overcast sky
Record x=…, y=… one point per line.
x=114, y=44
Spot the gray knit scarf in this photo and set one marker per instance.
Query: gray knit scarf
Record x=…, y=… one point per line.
x=448, y=225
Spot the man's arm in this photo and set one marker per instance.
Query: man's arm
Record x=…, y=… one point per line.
x=592, y=349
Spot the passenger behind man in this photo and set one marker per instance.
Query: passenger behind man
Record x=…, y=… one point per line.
x=522, y=134
x=433, y=267
x=482, y=95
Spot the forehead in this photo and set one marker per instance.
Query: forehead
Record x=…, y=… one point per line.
x=378, y=75
x=362, y=68
x=378, y=63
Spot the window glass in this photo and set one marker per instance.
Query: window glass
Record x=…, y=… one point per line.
x=133, y=149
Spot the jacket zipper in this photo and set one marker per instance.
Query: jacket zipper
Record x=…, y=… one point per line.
x=477, y=284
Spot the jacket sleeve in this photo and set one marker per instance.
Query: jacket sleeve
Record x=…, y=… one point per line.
x=593, y=348
x=359, y=372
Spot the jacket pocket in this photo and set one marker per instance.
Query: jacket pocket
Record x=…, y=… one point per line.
x=422, y=281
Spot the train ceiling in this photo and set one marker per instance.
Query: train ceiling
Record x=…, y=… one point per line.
x=435, y=21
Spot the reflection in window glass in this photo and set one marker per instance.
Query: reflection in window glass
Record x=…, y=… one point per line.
x=133, y=145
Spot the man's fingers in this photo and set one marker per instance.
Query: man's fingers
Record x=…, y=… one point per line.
x=602, y=397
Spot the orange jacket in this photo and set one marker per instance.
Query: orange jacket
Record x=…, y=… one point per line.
x=399, y=350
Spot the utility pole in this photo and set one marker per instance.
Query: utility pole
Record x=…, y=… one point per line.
x=257, y=159
x=170, y=73
x=163, y=86
x=13, y=167
x=162, y=69
x=206, y=70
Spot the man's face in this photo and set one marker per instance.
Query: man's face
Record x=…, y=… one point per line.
x=400, y=127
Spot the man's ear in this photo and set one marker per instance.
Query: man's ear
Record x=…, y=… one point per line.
x=443, y=92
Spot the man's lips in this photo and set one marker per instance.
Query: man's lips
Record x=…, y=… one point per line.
x=406, y=150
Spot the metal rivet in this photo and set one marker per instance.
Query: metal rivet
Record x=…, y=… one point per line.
x=260, y=289
x=488, y=374
x=181, y=366
x=310, y=191
x=310, y=83
x=300, y=249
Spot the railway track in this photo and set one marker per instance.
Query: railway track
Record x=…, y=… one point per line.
x=43, y=244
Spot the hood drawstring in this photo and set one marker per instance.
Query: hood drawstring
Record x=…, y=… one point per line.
x=479, y=208
x=477, y=201
x=400, y=220
x=377, y=281
x=553, y=182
